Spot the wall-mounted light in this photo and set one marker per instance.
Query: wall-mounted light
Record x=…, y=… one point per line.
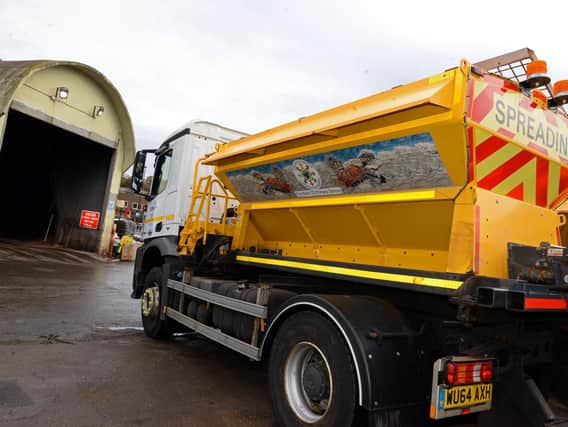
x=62, y=92
x=98, y=111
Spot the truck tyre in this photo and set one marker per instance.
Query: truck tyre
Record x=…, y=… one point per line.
x=154, y=327
x=311, y=374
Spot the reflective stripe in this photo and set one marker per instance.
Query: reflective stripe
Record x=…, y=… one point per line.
x=545, y=304
x=353, y=272
x=167, y=217
x=405, y=196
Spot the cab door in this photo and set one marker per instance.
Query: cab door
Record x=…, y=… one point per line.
x=161, y=210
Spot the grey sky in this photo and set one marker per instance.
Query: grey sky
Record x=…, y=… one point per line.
x=254, y=64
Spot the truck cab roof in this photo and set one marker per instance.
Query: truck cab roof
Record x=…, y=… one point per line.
x=204, y=129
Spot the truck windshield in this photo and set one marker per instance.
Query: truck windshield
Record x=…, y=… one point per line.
x=161, y=173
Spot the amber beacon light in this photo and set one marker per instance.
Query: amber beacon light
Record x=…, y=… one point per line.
x=537, y=74
x=560, y=92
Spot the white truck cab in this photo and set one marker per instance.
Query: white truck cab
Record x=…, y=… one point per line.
x=171, y=188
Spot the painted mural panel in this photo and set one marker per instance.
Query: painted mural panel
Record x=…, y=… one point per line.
x=396, y=164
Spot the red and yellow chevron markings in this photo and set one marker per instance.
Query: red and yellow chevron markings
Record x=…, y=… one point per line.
x=517, y=150
x=506, y=168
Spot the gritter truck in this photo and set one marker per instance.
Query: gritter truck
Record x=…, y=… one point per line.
x=399, y=260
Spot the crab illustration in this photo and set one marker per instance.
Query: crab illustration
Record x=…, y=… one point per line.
x=353, y=172
x=274, y=182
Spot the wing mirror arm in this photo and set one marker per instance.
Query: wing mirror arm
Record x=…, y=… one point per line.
x=138, y=174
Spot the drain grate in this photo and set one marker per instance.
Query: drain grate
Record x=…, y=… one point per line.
x=12, y=396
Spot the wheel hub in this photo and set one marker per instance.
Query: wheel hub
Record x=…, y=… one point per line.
x=308, y=382
x=150, y=302
x=314, y=383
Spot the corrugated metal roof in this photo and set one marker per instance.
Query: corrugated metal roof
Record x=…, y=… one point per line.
x=14, y=73
x=11, y=74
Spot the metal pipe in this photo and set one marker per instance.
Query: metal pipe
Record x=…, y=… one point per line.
x=48, y=228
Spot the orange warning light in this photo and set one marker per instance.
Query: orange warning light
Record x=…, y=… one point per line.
x=537, y=74
x=560, y=92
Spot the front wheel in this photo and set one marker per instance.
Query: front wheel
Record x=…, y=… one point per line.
x=311, y=375
x=154, y=327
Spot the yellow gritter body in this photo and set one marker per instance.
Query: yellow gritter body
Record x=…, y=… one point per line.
x=436, y=175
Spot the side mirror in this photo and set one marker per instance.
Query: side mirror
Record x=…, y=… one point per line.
x=140, y=182
x=138, y=173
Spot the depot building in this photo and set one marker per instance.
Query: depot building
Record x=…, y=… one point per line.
x=65, y=139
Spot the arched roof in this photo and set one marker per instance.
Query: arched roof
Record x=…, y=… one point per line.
x=14, y=74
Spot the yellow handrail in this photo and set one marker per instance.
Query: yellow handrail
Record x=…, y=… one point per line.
x=226, y=196
x=196, y=227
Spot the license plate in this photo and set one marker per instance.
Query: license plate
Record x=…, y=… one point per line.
x=468, y=395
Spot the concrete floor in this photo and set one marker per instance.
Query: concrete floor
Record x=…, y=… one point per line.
x=73, y=354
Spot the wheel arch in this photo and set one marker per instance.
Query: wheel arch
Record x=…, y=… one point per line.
x=151, y=254
x=354, y=317
x=301, y=305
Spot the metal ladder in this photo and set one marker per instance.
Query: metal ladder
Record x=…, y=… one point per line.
x=198, y=223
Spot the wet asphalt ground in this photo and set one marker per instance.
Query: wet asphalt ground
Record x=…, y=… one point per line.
x=72, y=353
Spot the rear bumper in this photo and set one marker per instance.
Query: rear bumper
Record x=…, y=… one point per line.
x=512, y=295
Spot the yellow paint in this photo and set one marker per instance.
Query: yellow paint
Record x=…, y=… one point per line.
x=422, y=95
x=478, y=87
x=342, y=200
x=461, y=243
x=361, y=228
x=460, y=82
x=167, y=217
x=364, y=274
x=495, y=160
x=198, y=224
x=553, y=180
x=511, y=99
x=473, y=390
x=525, y=175
x=502, y=220
x=430, y=229
x=515, y=141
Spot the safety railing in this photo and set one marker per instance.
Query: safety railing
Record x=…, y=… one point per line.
x=199, y=223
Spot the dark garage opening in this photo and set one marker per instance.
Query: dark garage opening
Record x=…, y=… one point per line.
x=48, y=175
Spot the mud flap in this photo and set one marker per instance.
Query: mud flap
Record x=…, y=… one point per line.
x=529, y=401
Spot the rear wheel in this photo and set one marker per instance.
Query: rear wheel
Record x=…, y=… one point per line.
x=311, y=375
x=154, y=327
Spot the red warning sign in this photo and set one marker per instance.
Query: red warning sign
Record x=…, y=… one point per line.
x=90, y=219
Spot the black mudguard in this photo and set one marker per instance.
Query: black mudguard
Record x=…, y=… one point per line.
x=152, y=253
x=387, y=361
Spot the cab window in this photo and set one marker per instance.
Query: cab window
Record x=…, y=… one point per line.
x=161, y=173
